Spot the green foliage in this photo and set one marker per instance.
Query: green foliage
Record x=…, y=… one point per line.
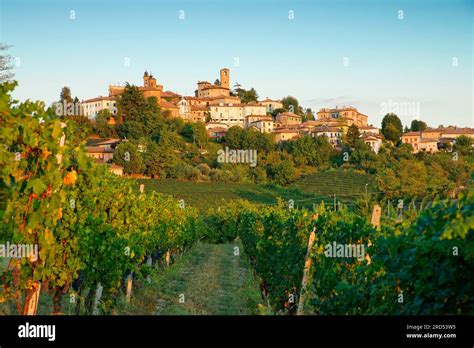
x=418, y=126
x=246, y=96
x=37, y=173
x=421, y=267
x=195, y=133
x=310, y=151
x=392, y=128
x=464, y=145
x=292, y=104
x=353, y=135
x=102, y=127
x=83, y=219
x=65, y=95
x=127, y=155
x=141, y=117
x=282, y=173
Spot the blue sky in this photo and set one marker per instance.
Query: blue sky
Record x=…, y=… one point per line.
x=390, y=60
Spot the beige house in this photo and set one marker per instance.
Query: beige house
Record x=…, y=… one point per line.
x=252, y=118
x=199, y=113
x=216, y=132
x=225, y=99
x=447, y=132
x=208, y=90
x=420, y=142
x=184, y=109
x=333, y=134
x=102, y=150
x=210, y=125
x=428, y=145
x=288, y=118
x=285, y=134
x=173, y=110
x=91, y=107
x=101, y=154
x=196, y=101
x=412, y=138
x=234, y=114
x=271, y=105
x=263, y=125
x=374, y=141
x=109, y=143
x=349, y=115
x=369, y=130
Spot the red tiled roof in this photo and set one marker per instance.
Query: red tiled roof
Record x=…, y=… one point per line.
x=217, y=130
x=325, y=129
x=411, y=134
x=109, y=141
x=170, y=94
x=167, y=105
x=370, y=136
x=284, y=130
x=428, y=140
x=100, y=98
x=289, y=114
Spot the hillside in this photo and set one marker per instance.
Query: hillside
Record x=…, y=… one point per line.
x=205, y=195
x=348, y=186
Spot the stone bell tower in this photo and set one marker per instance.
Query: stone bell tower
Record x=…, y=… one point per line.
x=225, y=78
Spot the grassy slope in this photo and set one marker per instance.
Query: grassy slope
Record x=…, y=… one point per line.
x=205, y=195
x=313, y=188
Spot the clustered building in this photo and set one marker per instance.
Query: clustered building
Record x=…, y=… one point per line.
x=432, y=139
x=216, y=107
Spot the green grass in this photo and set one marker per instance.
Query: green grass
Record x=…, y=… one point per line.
x=348, y=186
x=213, y=280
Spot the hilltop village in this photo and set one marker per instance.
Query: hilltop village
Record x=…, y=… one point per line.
x=217, y=107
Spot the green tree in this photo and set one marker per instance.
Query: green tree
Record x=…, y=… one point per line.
x=308, y=115
x=464, y=145
x=84, y=125
x=418, y=126
x=282, y=173
x=392, y=128
x=195, y=133
x=65, y=95
x=392, y=133
x=413, y=178
x=291, y=104
x=132, y=105
x=278, y=111
x=102, y=126
x=363, y=157
x=127, y=155
x=249, y=96
x=353, y=135
x=234, y=137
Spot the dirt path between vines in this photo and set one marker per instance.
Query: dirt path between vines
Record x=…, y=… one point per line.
x=209, y=279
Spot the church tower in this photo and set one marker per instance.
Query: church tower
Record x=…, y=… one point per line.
x=146, y=77
x=225, y=78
